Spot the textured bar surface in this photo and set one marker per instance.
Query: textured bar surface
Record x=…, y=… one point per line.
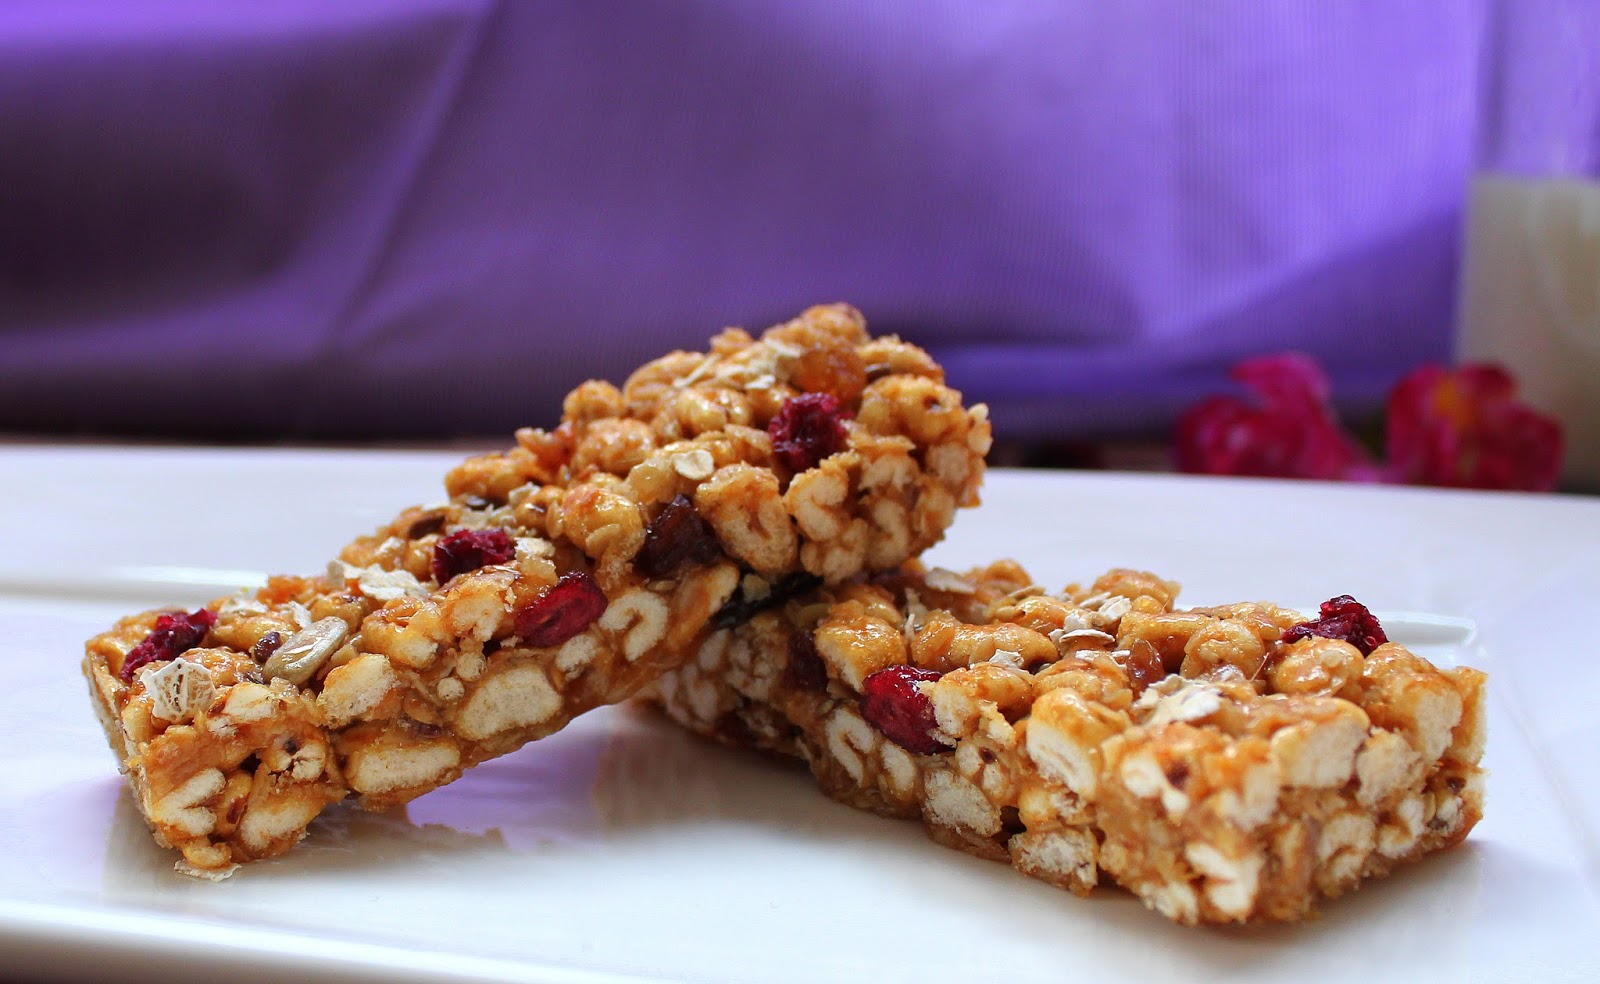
x=1195, y=757
x=561, y=575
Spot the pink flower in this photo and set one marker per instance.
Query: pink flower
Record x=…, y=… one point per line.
x=1287, y=431
x=1464, y=428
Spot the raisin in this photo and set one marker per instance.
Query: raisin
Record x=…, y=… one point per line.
x=805, y=670
x=892, y=703
x=421, y=729
x=1178, y=774
x=564, y=610
x=174, y=634
x=266, y=646
x=1143, y=665
x=677, y=538
x=1011, y=822
x=425, y=526
x=734, y=730
x=740, y=609
x=468, y=550
x=1342, y=618
x=807, y=429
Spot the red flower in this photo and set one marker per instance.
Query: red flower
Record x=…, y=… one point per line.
x=1287, y=431
x=1464, y=428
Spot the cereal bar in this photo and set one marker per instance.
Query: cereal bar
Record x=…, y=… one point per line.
x=1228, y=764
x=566, y=573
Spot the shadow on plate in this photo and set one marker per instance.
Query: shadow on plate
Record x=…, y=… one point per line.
x=625, y=777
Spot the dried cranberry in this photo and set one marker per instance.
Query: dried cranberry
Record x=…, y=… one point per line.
x=677, y=538
x=1342, y=618
x=891, y=702
x=174, y=634
x=562, y=611
x=805, y=670
x=808, y=428
x=468, y=550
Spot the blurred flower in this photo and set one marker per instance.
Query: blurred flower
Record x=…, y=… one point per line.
x=1464, y=428
x=1287, y=430
x=1461, y=428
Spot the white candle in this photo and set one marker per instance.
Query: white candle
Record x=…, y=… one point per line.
x=1530, y=300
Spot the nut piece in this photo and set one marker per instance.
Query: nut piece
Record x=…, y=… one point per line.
x=302, y=654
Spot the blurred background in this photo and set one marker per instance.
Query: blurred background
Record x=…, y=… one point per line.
x=423, y=220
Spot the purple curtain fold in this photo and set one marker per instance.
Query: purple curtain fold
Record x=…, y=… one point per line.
x=428, y=218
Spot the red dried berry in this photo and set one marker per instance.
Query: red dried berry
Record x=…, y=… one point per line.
x=1342, y=618
x=468, y=550
x=891, y=702
x=808, y=428
x=562, y=611
x=805, y=669
x=677, y=538
x=175, y=633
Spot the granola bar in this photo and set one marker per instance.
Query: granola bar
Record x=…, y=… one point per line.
x=563, y=574
x=1228, y=764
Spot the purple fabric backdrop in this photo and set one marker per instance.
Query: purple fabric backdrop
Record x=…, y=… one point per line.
x=432, y=217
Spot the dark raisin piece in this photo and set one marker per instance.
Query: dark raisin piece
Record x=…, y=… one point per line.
x=805, y=669
x=891, y=702
x=733, y=729
x=676, y=539
x=564, y=610
x=806, y=429
x=468, y=550
x=1342, y=618
x=740, y=609
x=174, y=634
x=421, y=729
x=1011, y=821
x=425, y=526
x=1178, y=774
x=266, y=646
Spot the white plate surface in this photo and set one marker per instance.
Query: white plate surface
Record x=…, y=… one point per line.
x=622, y=850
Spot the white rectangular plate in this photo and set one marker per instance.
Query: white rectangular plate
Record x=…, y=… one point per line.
x=621, y=849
